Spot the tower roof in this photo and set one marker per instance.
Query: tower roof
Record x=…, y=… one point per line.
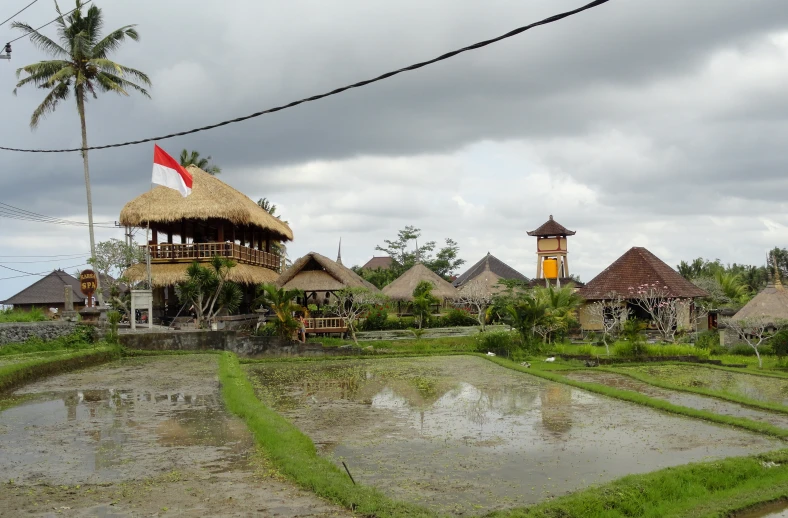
x=551, y=228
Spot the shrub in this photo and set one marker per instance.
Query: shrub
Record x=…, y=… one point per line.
x=779, y=343
x=376, y=320
x=708, y=340
x=113, y=317
x=456, y=317
x=746, y=350
x=635, y=342
x=501, y=343
x=17, y=315
x=269, y=329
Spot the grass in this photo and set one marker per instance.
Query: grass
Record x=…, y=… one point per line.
x=442, y=344
x=293, y=454
x=16, y=374
x=694, y=490
x=17, y=315
x=641, y=399
x=727, y=396
x=66, y=343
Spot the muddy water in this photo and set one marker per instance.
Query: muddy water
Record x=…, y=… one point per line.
x=778, y=509
x=138, y=436
x=462, y=435
x=680, y=398
x=761, y=388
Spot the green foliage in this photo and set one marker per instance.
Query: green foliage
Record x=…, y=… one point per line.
x=423, y=300
x=379, y=277
x=779, y=343
x=377, y=318
x=746, y=350
x=188, y=158
x=444, y=263
x=293, y=454
x=208, y=289
x=17, y=315
x=502, y=343
x=708, y=340
x=281, y=302
x=456, y=317
x=113, y=318
x=665, y=350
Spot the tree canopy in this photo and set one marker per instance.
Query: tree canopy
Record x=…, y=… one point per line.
x=193, y=157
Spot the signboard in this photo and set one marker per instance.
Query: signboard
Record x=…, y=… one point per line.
x=87, y=284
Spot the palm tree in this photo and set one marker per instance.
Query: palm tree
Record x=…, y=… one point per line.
x=204, y=163
x=282, y=303
x=80, y=66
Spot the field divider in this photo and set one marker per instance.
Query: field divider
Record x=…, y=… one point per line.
x=17, y=374
x=641, y=399
x=294, y=455
x=733, y=398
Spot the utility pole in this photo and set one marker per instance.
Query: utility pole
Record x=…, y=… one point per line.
x=7, y=50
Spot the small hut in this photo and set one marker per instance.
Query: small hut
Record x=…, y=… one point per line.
x=771, y=304
x=214, y=219
x=401, y=290
x=318, y=277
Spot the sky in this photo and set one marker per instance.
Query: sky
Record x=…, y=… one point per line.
x=655, y=124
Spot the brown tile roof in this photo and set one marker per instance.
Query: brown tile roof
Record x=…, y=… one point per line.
x=565, y=281
x=551, y=228
x=383, y=263
x=493, y=264
x=636, y=267
x=48, y=290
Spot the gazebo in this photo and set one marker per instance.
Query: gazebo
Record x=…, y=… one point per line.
x=318, y=277
x=214, y=219
x=401, y=290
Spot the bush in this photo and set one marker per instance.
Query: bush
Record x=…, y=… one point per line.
x=456, y=317
x=113, y=317
x=17, y=315
x=635, y=344
x=746, y=350
x=269, y=329
x=708, y=340
x=779, y=343
x=502, y=343
x=376, y=320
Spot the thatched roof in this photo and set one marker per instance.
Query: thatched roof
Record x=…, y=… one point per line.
x=210, y=199
x=770, y=302
x=170, y=274
x=402, y=288
x=315, y=272
x=635, y=268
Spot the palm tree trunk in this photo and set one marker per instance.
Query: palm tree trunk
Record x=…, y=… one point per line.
x=81, y=109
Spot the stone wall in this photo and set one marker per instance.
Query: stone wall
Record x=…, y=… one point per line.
x=17, y=332
x=239, y=343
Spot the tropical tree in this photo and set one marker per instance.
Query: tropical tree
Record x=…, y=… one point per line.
x=80, y=66
x=278, y=247
x=113, y=257
x=193, y=158
x=560, y=306
x=282, y=303
x=444, y=263
x=423, y=300
x=351, y=303
x=208, y=290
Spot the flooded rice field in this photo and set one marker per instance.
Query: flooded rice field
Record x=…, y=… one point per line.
x=464, y=436
x=686, y=399
x=136, y=437
x=761, y=388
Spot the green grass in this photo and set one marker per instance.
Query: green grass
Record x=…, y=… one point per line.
x=727, y=396
x=16, y=315
x=293, y=454
x=694, y=490
x=442, y=344
x=641, y=399
x=16, y=374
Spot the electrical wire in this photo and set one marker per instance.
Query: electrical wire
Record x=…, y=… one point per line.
x=336, y=91
x=49, y=22
x=12, y=212
x=66, y=256
x=75, y=256
x=42, y=274
x=18, y=12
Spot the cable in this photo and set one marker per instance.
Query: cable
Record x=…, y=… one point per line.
x=75, y=256
x=66, y=256
x=360, y=84
x=18, y=12
x=49, y=23
x=10, y=211
x=42, y=274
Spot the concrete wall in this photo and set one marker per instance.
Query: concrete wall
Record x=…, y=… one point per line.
x=17, y=332
x=242, y=344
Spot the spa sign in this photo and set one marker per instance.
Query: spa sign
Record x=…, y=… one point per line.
x=87, y=282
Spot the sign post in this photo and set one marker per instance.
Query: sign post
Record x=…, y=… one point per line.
x=87, y=284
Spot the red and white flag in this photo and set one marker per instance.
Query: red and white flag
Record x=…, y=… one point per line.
x=169, y=173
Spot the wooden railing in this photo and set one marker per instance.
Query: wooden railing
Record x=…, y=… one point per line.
x=326, y=325
x=188, y=252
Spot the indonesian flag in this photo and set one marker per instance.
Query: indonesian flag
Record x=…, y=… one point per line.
x=169, y=173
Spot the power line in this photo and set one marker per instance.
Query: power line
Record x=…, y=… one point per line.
x=42, y=274
x=12, y=212
x=66, y=256
x=75, y=256
x=18, y=12
x=48, y=23
x=336, y=91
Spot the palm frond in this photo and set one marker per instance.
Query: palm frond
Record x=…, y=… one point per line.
x=41, y=41
x=57, y=94
x=40, y=73
x=111, y=42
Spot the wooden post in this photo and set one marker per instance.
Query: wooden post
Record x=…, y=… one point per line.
x=220, y=232
x=169, y=234
x=183, y=231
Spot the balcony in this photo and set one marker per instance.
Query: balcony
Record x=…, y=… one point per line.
x=189, y=252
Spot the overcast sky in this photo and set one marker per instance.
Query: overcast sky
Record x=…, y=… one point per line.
x=655, y=123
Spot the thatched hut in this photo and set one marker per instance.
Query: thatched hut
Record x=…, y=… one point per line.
x=318, y=277
x=768, y=308
x=214, y=219
x=401, y=290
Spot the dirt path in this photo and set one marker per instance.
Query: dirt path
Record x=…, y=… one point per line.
x=139, y=437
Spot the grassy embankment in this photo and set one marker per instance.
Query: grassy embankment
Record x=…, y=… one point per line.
x=16, y=374
x=293, y=454
x=16, y=315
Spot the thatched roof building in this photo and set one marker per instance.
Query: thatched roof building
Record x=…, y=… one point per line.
x=638, y=267
x=771, y=302
x=402, y=288
x=211, y=202
x=381, y=262
x=315, y=273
